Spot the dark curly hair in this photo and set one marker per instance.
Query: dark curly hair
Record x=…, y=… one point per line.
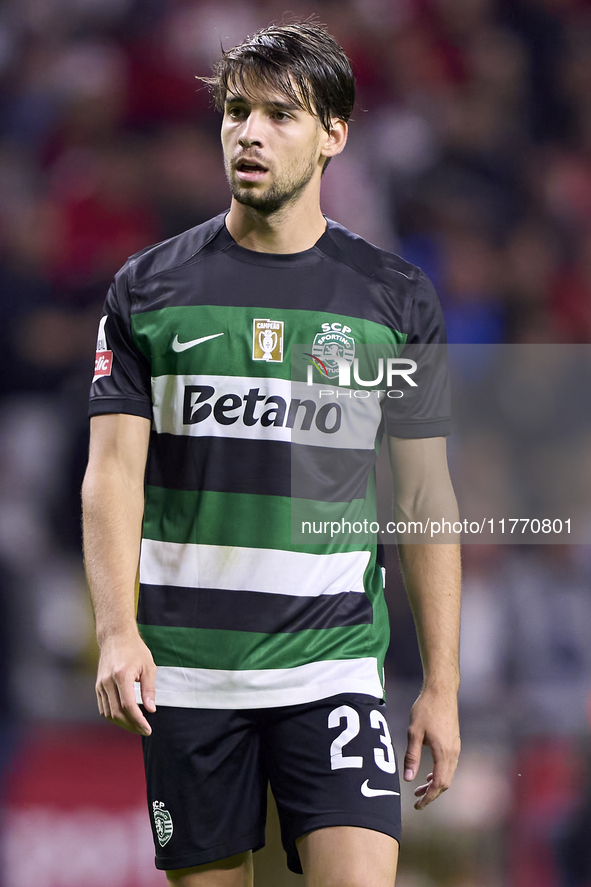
x=300, y=60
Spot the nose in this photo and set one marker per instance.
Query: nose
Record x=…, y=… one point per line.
x=251, y=133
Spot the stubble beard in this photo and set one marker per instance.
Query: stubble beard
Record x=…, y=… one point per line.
x=278, y=196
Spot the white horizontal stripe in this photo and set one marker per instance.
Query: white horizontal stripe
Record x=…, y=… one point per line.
x=267, y=687
x=251, y=569
x=360, y=416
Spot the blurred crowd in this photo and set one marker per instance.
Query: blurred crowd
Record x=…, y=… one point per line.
x=470, y=155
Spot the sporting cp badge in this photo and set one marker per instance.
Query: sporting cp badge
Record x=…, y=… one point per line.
x=331, y=344
x=267, y=340
x=163, y=823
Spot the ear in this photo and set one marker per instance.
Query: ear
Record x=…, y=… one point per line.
x=335, y=140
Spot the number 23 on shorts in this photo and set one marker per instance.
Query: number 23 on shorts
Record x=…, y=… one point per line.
x=383, y=754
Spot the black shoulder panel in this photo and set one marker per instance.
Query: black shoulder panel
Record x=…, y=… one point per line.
x=174, y=252
x=375, y=263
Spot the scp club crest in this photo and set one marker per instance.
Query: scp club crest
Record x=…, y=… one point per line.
x=332, y=343
x=267, y=340
x=162, y=822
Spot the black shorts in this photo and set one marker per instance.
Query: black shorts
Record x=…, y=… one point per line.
x=329, y=763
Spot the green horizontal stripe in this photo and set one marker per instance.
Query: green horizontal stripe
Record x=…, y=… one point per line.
x=244, y=651
x=249, y=521
x=231, y=354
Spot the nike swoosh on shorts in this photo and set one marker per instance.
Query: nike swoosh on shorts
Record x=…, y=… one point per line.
x=368, y=792
x=182, y=346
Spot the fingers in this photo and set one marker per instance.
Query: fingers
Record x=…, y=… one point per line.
x=148, y=689
x=103, y=702
x=420, y=791
x=428, y=792
x=433, y=722
x=125, y=659
x=116, y=703
x=444, y=766
x=133, y=717
x=412, y=758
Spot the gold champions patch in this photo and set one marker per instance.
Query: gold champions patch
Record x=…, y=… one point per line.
x=267, y=340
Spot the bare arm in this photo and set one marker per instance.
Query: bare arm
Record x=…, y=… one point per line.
x=431, y=573
x=113, y=504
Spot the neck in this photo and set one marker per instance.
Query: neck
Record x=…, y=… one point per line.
x=292, y=229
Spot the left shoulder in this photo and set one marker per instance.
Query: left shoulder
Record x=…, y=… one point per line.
x=361, y=255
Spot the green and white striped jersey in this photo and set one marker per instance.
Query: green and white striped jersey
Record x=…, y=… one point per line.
x=233, y=355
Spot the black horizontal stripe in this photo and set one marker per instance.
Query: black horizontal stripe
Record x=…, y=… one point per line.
x=172, y=606
x=262, y=467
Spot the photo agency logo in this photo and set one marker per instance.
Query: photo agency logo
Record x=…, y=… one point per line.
x=372, y=389
x=333, y=357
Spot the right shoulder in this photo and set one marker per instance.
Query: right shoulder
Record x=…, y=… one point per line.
x=170, y=254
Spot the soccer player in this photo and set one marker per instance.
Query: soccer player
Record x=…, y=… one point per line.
x=259, y=659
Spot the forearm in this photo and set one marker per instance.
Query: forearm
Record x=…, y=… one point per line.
x=431, y=573
x=430, y=565
x=112, y=519
x=432, y=578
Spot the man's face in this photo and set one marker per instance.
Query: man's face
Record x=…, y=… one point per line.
x=271, y=149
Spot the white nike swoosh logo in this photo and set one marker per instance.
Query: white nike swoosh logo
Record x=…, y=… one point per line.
x=182, y=346
x=374, y=792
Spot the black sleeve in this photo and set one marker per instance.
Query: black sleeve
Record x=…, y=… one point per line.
x=422, y=410
x=121, y=382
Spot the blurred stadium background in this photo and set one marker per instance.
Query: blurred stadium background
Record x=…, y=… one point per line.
x=470, y=155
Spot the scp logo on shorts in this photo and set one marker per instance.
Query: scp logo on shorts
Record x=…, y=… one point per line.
x=163, y=823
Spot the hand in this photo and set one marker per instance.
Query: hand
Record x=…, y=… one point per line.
x=433, y=722
x=124, y=660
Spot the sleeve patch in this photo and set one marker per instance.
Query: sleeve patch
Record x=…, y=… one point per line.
x=103, y=364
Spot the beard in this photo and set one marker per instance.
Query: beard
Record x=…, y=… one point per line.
x=277, y=196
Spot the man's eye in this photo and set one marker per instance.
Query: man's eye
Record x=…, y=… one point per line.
x=235, y=113
x=281, y=115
